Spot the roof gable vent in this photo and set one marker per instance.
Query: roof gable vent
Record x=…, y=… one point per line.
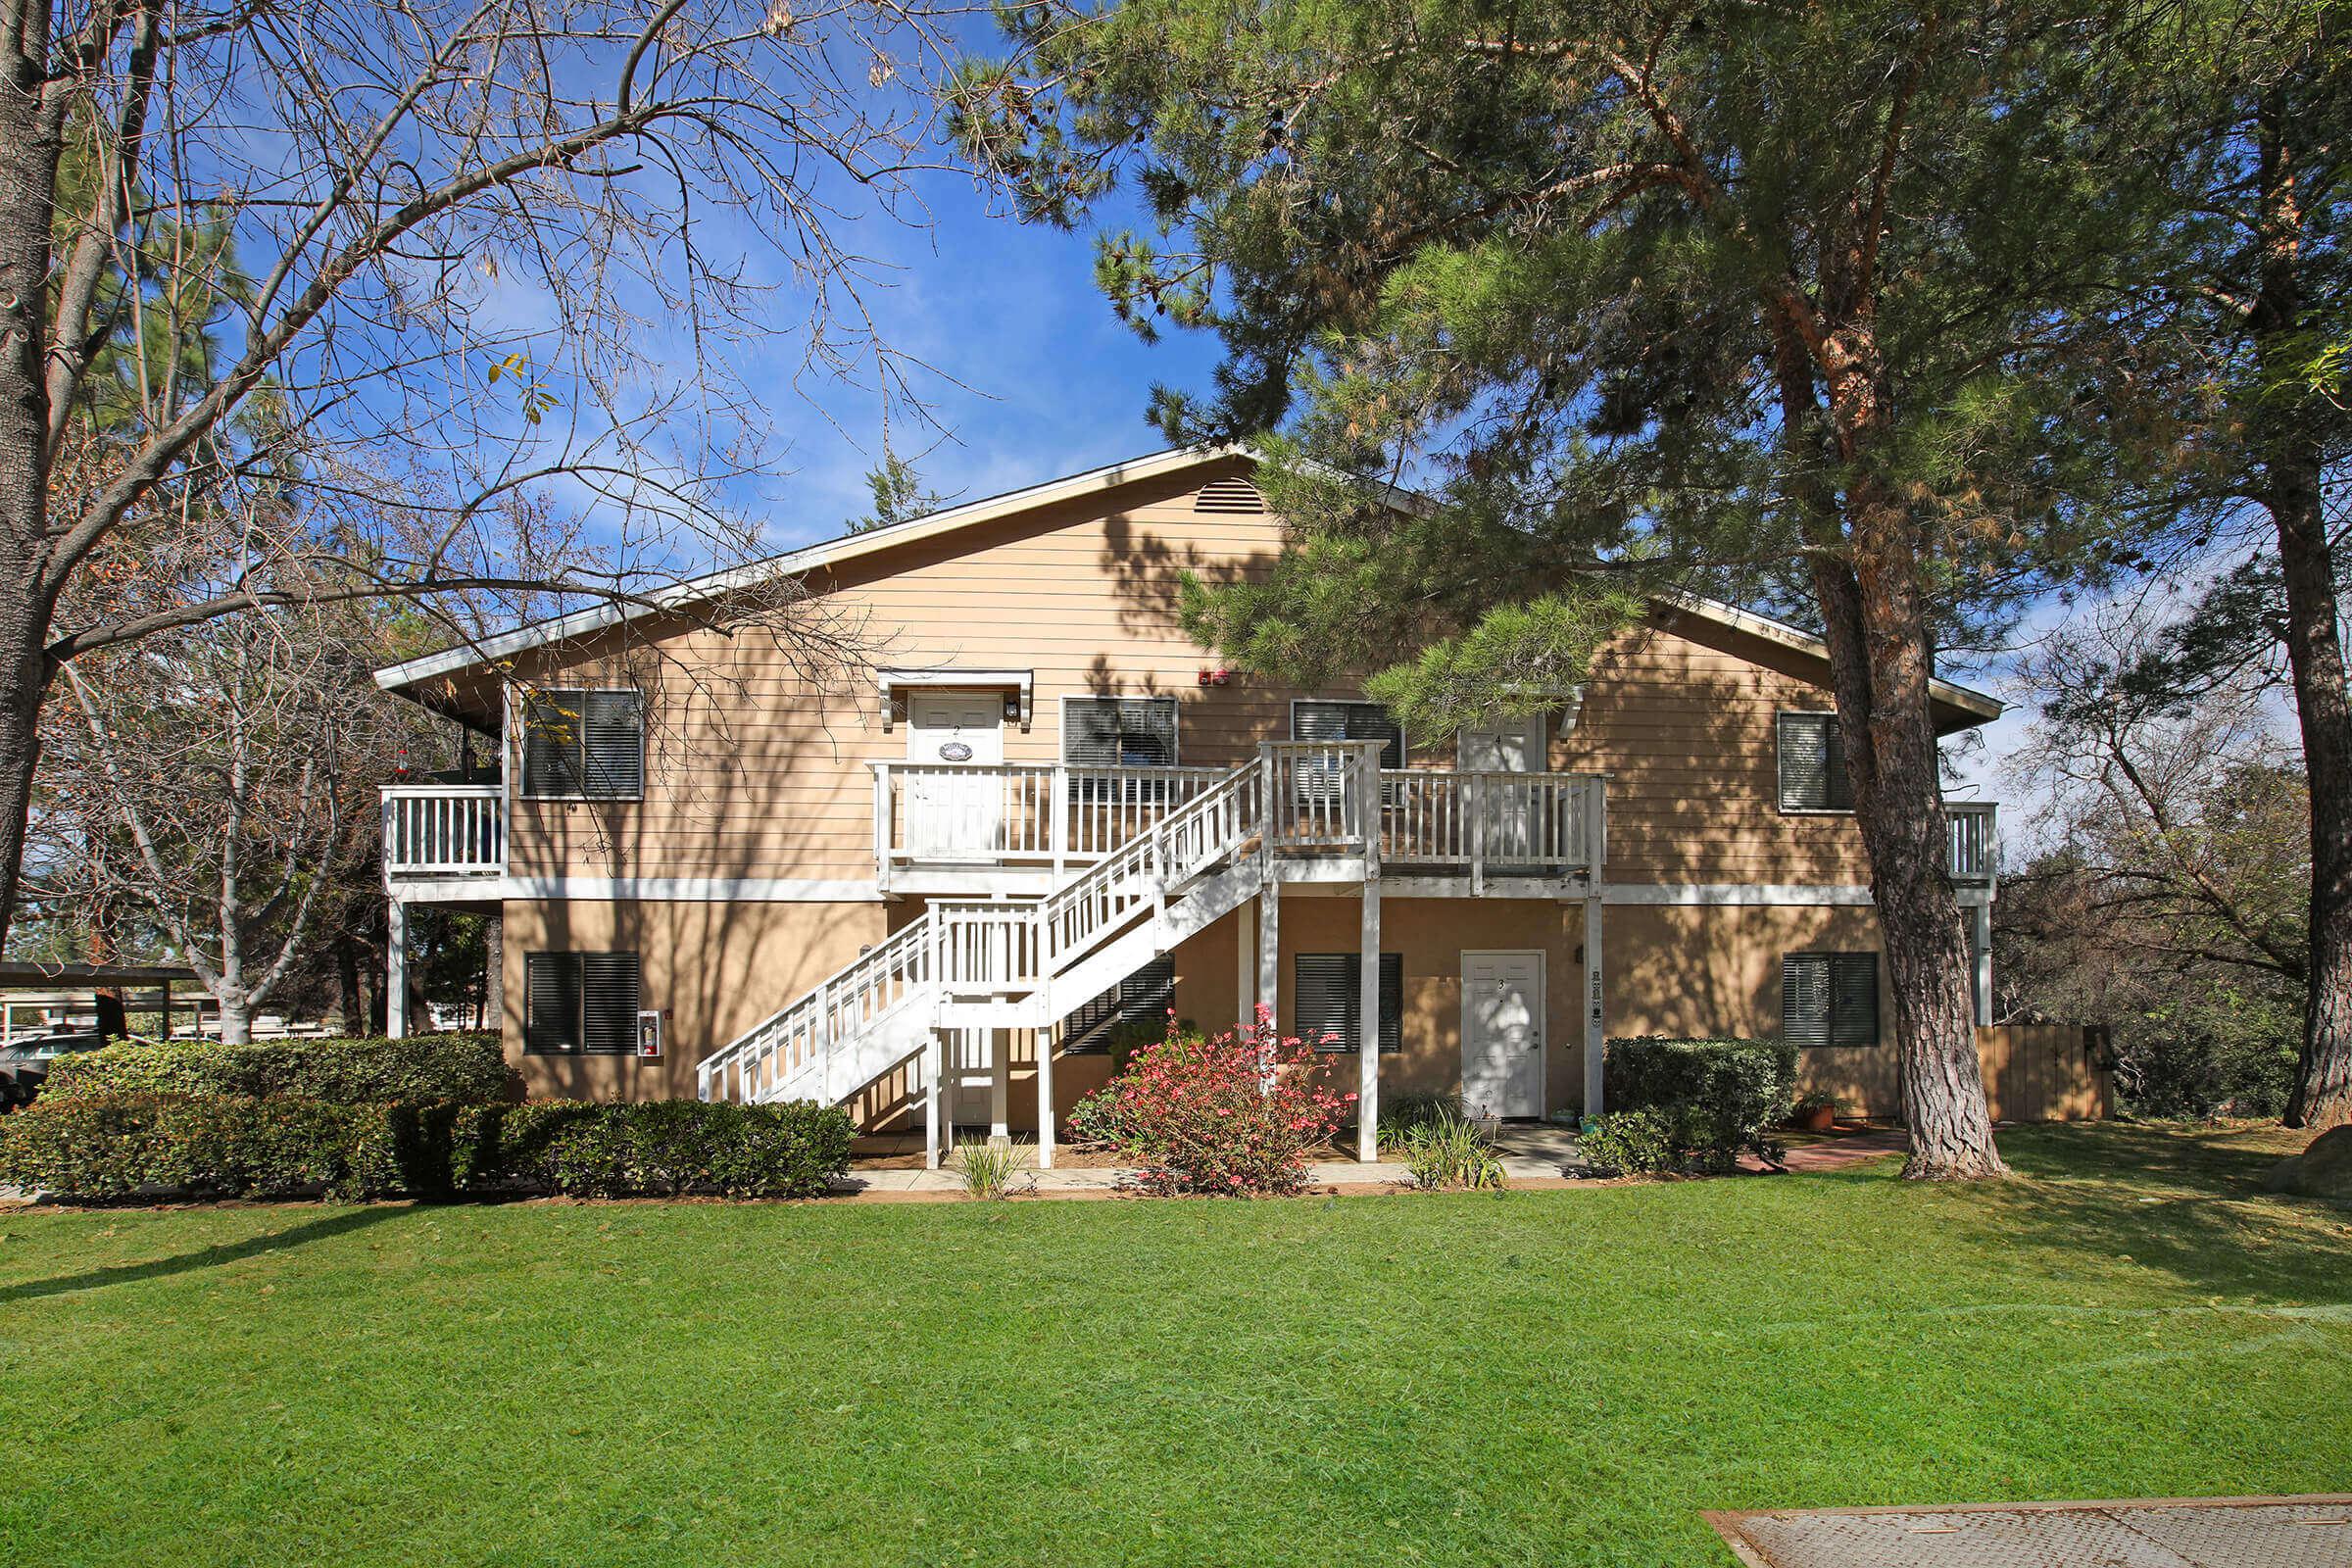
x=1230, y=496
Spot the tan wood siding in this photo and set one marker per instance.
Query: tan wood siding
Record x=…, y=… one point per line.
x=757, y=770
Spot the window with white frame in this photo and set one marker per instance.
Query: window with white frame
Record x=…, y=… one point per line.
x=1813, y=777
x=583, y=742
x=580, y=1003
x=1830, y=999
x=1120, y=731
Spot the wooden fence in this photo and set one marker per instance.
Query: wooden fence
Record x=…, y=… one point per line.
x=2032, y=1072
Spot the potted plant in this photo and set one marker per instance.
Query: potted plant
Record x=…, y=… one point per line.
x=1814, y=1111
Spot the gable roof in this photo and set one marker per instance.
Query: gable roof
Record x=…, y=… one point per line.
x=973, y=514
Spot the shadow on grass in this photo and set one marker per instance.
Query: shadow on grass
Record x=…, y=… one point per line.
x=2184, y=1200
x=317, y=1229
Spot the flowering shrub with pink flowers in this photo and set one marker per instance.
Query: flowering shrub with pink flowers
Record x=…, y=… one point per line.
x=1237, y=1113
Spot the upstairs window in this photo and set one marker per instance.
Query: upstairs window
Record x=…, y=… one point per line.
x=1813, y=763
x=581, y=743
x=1830, y=999
x=1327, y=990
x=1320, y=720
x=1143, y=997
x=578, y=1004
x=1119, y=732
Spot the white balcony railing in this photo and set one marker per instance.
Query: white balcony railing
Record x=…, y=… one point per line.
x=1972, y=850
x=944, y=819
x=1026, y=816
x=444, y=830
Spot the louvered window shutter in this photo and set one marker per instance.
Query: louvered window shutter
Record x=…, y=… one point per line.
x=1148, y=732
x=1805, y=998
x=613, y=744
x=1853, y=999
x=1350, y=721
x=551, y=1012
x=552, y=723
x=1813, y=775
x=1327, y=988
x=609, y=992
x=1090, y=733
x=576, y=1002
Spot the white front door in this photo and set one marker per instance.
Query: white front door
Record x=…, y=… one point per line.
x=1514, y=747
x=955, y=798
x=1503, y=1033
x=972, y=1077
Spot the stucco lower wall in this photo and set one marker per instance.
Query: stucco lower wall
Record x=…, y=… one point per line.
x=718, y=968
x=1706, y=970
x=715, y=969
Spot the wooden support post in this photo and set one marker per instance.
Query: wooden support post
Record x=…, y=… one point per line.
x=1269, y=950
x=1000, y=1083
x=1367, y=1021
x=396, y=972
x=1245, y=976
x=1596, y=1024
x=1983, y=943
x=1043, y=1037
x=932, y=1064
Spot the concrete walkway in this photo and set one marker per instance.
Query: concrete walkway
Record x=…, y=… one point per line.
x=2307, y=1532
x=1534, y=1154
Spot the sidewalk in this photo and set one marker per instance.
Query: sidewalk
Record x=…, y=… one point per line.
x=1535, y=1155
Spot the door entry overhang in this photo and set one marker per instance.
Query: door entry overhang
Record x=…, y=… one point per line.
x=1018, y=687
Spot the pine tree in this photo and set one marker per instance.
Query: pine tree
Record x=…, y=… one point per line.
x=1762, y=298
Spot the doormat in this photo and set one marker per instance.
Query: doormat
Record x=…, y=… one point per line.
x=2302, y=1532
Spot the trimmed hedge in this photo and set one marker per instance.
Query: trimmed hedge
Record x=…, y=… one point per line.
x=106, y=1147
x=1714, y=1099
x=100, y=1147
x=653, y=1148
x=469, y=1068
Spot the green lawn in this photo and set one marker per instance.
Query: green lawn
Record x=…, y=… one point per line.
x=1561, y=1377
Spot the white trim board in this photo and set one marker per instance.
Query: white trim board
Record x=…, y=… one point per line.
x=1685, y=894
x=692, y=889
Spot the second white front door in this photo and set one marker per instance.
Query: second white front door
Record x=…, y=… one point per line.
x=1503, y=1033
x=954, y=798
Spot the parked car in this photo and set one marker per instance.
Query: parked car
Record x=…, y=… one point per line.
x=25, y=1061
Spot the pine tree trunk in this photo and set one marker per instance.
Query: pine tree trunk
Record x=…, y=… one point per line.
x=2292, y=464
x=1880, y=667
x=2322, y=1091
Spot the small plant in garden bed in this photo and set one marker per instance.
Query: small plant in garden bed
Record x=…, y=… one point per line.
x=1814, y=1111
x=1450, y=1150
x=988, y=1169
x=1233, y=1113
x=1409, y=1108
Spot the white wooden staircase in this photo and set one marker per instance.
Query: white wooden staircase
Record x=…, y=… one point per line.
x=1298, y=811
x=1006, y=963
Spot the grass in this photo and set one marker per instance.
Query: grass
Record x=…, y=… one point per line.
x=1557, y=1377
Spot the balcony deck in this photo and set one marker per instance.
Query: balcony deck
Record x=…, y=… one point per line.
x=964, y=829
x=970, y=830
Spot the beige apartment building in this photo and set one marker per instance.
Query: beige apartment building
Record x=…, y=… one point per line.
x=932, y=882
